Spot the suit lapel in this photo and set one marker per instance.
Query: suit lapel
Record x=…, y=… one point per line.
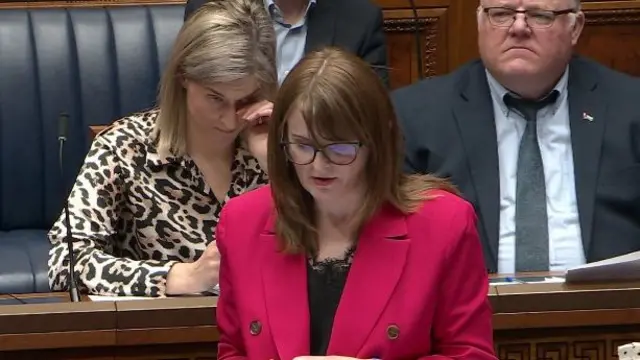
x=585, y=102
x=320, y=26
x=377, y=266
x=473, y=111
x=285, y=297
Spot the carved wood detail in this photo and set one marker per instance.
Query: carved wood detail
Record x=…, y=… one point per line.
x=428, y=28
x=430, y=48
x=598, y=347
x=612, y=17
x=616, y=31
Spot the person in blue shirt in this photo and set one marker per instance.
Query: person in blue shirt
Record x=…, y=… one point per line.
x=305, y=25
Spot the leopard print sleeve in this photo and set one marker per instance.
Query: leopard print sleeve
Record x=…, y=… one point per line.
x=96, y=205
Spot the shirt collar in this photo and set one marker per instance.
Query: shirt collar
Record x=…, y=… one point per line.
x=156, y=158
x=241, y=174
x=276, y=14
x=498, y=91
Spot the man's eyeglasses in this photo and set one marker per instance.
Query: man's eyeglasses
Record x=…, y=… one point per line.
x=536, y=18
x=342, y=153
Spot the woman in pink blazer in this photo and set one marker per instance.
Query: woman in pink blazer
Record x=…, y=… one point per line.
x=343, y=254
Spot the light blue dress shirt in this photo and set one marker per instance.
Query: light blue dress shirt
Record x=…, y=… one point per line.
x=291, y=38
x=554, y=137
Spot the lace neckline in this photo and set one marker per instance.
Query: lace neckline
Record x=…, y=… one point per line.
x=334, y=263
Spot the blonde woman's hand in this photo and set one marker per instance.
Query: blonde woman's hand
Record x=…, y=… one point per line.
x=207, y=267
x=257, y=114
x=257, y=118
x=195, y=277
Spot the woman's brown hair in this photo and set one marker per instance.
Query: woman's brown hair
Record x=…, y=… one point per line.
x=341, y=98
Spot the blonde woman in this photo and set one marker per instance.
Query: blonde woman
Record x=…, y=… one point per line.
x=146, y=202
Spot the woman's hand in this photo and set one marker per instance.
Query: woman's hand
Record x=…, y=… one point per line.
x=195, y=277
x=257, y=113
x=257, y=118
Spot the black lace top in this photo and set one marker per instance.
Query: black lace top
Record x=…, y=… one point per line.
x=326, y=279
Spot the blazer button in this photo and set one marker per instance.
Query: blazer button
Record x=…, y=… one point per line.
x=255, y=327
x=393, y=332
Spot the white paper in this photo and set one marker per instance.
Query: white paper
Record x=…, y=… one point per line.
x=625, y=267
x=629, y=351
x=117, y=298
x=515, y=281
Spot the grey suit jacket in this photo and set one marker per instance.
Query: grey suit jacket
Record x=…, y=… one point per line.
x=450, y=131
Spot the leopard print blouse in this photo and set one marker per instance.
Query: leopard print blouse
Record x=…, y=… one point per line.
x=134, y=212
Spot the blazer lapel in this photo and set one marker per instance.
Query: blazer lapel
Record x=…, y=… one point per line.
x=473, y=111
x=285, y=287
x=587, y=112
x=377, y=266
x=320, y=26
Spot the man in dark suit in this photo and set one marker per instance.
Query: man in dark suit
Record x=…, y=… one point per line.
x=545, y=144
x=305, y=25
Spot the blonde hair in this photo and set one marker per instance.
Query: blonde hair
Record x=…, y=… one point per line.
x=340, y=97
x=225, y=40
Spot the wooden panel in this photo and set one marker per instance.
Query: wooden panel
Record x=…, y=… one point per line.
x=612, y=34
x=432, y=41
x=566, y=344
x=402, y=41
x=95, y=130
x=531, y=322
x=55, y=323
x=565, y=321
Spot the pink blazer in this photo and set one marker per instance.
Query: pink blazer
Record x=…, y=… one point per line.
x=417, y=287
